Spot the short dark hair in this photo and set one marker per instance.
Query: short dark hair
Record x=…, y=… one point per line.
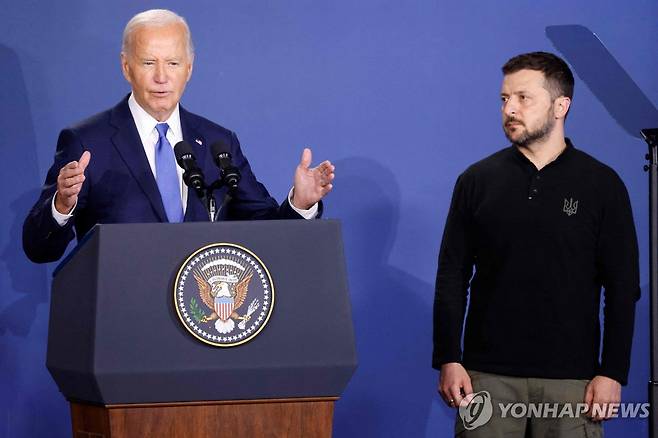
x=557, y=74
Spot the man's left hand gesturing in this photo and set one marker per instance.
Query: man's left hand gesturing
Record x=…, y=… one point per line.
x=311, y=183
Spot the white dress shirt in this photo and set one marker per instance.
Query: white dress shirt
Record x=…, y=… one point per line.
x=145, y=124
x=149, y=136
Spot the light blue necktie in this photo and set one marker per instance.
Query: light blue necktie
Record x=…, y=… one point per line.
x=166, y=176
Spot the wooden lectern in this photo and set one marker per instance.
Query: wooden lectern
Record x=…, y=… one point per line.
x=120, y=354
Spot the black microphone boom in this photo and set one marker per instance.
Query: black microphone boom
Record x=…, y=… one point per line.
x=192, y=176
x=229, y=174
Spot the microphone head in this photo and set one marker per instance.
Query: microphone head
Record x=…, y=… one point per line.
x=229, y=174
x=221, y=153
x=183, y=151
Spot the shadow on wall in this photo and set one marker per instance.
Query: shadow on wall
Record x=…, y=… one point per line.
x=25, y=395
x=392, y=390
x=27, y=282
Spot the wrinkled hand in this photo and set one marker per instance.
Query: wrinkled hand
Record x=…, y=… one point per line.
x=601, y=395
x=454, y=383
x=69, y=183
x=311, y=184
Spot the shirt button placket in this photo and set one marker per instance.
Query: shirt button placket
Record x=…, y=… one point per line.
x=534, y=190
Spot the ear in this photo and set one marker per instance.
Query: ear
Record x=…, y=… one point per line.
x=125, y=67
x=561, y=107
x=189, y=69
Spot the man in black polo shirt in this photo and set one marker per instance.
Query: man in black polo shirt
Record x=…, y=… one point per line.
x=545, y=226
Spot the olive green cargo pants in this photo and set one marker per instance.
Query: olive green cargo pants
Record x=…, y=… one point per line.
x=521, y=407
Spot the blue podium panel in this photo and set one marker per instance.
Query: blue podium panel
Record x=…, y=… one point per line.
x=115, y=336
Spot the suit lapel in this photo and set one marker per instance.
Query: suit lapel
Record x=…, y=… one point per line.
x=127, y=142
x=195, y=209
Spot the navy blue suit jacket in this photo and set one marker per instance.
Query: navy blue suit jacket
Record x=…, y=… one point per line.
x=120, y=187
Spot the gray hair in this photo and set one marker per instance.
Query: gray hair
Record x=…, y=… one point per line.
x=155, y=17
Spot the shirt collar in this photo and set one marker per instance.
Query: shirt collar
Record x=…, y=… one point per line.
x=145, y=123
x=567, y=152
x=564, y=155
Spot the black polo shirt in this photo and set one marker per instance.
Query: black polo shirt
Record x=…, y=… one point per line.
x=543, y=244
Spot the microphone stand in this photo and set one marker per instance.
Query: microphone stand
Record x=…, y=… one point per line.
x=211, y=203
x=209, y=198
x=651, y=137
x=227, y=198
x=211, y=207
x=229, y=177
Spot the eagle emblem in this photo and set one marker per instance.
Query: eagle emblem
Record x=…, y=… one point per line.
x=225, y=298
x=212, y=305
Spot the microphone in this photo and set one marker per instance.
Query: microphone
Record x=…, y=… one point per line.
x=192, y=175
x=229, y=174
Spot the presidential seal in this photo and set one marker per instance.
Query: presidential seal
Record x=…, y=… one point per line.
x=223, y=294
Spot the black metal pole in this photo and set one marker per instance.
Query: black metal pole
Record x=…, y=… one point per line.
x=651, y=137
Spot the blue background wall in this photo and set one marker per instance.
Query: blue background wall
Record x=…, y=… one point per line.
x=402, y=96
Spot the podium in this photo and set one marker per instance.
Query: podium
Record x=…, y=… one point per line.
x=121, y=354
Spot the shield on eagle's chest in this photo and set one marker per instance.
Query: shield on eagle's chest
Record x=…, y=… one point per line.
x=224, y=307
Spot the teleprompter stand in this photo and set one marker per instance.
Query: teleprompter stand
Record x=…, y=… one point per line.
x=651, y=137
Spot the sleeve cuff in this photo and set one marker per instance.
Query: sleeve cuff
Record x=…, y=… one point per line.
x=62, y=219
x=311, y=213
x=617, y=375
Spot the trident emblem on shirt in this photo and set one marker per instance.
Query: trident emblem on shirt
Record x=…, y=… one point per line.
x=570, y=206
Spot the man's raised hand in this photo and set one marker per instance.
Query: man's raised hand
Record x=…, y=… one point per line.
x=69, y=183
x=311, y=184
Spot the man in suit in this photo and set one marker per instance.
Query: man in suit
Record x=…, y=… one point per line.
x=119, y=167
